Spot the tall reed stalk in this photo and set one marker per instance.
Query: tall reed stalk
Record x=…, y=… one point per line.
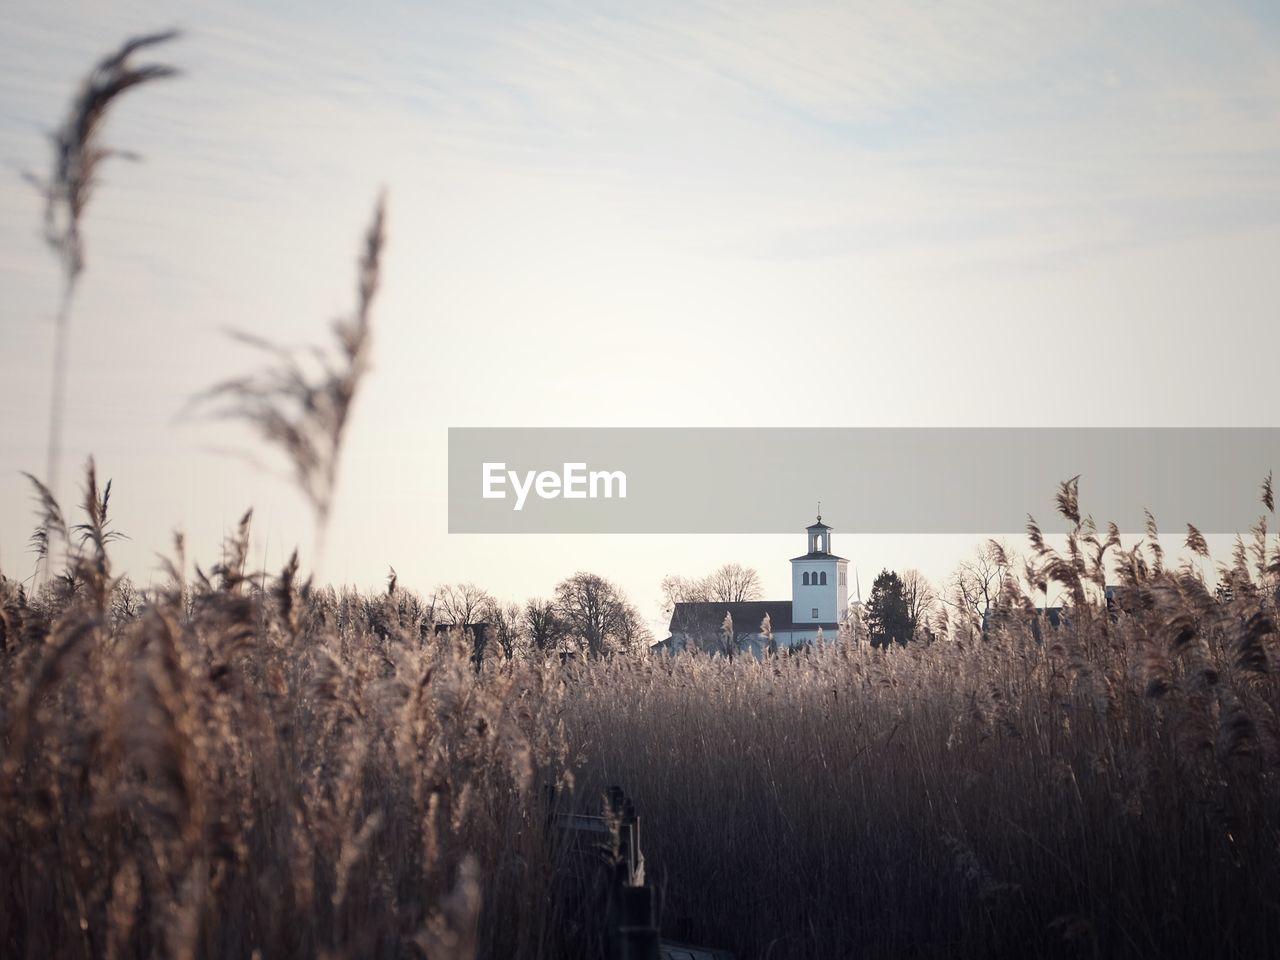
x=78, y=152
x=302, y=409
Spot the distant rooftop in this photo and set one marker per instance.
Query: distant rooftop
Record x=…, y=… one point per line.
x=707, y=616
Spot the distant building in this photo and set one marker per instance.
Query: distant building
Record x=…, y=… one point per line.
x=478, y=630
x=1050, y=617
x=819, y=600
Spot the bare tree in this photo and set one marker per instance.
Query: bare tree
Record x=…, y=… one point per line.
x=127, y=601
x=460, y=604
x=542, y=627
x=921, y=599
x=730, y=583
x=463, y=607
x=677, y=589
x=506, y=623
x=733, y=583
x=597, y=614
x=976, y=584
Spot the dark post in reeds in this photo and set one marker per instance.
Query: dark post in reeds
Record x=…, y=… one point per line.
x=632, y=934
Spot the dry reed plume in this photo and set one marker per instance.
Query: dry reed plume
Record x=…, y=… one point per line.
x=78, y=152
x=304, y=412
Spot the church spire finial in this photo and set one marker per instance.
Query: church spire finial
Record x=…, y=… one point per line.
x=819, y=511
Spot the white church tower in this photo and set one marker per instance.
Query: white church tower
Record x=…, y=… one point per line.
x=819, y=583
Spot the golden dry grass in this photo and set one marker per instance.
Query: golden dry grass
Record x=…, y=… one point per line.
x=298, y=772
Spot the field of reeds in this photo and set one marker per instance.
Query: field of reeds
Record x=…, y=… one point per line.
x=241, y=763
x=1111, y=791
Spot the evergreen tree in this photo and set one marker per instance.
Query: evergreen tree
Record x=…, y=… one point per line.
x=887, y=613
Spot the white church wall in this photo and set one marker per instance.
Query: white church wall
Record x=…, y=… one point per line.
x=830, y=599
x=754, y=644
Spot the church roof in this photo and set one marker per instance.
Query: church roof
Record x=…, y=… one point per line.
x=707, y=617
x=819, y=525
x=818, y=555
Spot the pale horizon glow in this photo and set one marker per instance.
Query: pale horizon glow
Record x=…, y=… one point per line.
x=990, y=213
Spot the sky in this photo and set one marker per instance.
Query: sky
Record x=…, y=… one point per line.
x=977, y=213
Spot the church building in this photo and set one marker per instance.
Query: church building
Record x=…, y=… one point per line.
x=819, y=601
